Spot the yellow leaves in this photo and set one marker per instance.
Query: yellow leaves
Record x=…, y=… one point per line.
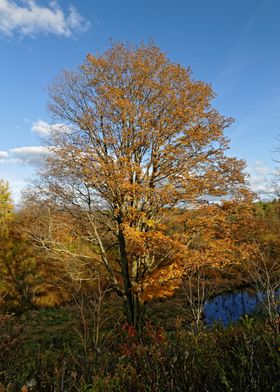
x=150, y=223
x=6, y=207
x=217, y=234
x=96, y=61
x=209, y=235
x=135, y=241
x=147, y=127
x=151, y=148
x=162, y=282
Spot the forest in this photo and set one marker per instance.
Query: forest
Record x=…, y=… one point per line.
x=138, y=217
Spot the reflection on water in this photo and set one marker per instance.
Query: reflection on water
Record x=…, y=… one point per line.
x=230, y=307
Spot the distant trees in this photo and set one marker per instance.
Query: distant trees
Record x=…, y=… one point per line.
x=141, y=142
x=6, y=206
x=264, y=270
x=17, y=259
x=28, y=277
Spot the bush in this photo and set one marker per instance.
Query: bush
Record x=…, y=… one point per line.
x=46, y=346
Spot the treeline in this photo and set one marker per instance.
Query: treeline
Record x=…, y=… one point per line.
x=44, y=258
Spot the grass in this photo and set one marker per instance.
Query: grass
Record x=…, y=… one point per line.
x=53, y=347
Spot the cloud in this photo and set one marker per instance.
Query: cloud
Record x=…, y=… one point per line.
x=260, y=178
x=31, y=19
x=17, y=186
x=3, y=154
x=43, y=128
x=31, y=155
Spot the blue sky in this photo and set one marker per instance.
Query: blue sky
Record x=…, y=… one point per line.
x=232, y=44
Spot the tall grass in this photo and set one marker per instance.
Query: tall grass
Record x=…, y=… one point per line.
x=43, y=349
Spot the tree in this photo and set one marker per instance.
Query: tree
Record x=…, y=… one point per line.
x=17, y=263
x=28, y=276
x=139, y=139
x=6, y=206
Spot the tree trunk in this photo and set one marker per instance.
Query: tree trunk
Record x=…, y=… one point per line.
x=133, y=308
x=129, y=303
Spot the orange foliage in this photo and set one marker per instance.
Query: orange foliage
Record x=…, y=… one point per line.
x=144, y=140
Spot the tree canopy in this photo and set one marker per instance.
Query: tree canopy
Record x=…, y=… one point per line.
x=140, y=138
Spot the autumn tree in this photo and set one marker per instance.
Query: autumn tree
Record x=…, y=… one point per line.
x=139, y=138
x=16, y=259
x=6, y=206
x=28, y=276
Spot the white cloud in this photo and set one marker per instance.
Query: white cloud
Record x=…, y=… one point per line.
x=32, y=19
x=31, y=155
x=260, y=178
x=17, y=186
x=3, y=154
x=43, y=128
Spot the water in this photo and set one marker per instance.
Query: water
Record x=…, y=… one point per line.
x=230, y=307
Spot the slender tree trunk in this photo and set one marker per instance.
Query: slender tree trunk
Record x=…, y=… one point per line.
x=133, y=308
x=129, y=303
x=139, y=311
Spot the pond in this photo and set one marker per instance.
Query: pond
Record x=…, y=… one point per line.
x=230, y=307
